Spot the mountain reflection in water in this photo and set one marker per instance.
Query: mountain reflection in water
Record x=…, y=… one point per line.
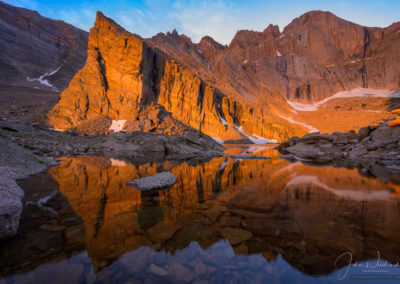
x=225, y=220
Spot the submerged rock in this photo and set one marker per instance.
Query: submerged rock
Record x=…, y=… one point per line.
x=158, y=181
x=10, y=203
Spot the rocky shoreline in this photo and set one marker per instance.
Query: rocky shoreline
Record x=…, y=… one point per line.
x=374, y=148
x=29, y=150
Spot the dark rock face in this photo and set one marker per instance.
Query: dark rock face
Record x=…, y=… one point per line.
x=32, y=46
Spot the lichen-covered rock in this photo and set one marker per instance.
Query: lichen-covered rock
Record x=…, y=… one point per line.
x=10, y=203
x=158, y=181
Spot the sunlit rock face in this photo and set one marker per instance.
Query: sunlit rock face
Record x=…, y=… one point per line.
x=308, y=215
x=125, y=75
x=227, y=92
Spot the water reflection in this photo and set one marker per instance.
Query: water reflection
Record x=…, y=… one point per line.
x=225, y=220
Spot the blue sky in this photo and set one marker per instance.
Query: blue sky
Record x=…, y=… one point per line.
x=219, y=18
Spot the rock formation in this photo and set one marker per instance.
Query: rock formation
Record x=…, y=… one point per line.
x=228, y=92
x=34, y=47
x=319, y=54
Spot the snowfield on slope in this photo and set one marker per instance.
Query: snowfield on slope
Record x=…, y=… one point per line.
x=311, y=128
x=359, y=92
x=255, y=138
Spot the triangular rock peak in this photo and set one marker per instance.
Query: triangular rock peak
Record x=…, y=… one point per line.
x=127, y=78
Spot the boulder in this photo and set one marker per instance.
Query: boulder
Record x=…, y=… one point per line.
x=396, y=111
x=10, y=203
x=305, y=151
x=317, y=137
x=158, y=181
x=363, y=133
x=385, y=134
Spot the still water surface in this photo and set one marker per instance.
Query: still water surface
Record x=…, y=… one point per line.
x=225, y=221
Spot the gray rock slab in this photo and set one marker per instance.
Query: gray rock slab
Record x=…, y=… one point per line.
x=10, y=203
x=158, y=181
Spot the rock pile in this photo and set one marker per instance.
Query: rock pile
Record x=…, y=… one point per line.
x=374, y=143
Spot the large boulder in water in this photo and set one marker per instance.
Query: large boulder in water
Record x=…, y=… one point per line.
x=10, y=203
x=158, y=181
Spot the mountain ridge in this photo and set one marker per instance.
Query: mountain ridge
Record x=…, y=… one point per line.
x=38, y=51
x=230, y=93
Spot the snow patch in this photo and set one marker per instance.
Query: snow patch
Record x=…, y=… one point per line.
x=359, y=92
x=311, y=128
x=118, y=163
x=117, y=125
x=268, y=141
x=278, y=53
x=56, y=129
x=222, y=166
x=219, y=140
x=43, y=81
x=223, y=121
x=255, y=138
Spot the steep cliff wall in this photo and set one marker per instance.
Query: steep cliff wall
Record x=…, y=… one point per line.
x=319, y=54
x=125, y=75
x=229, y=92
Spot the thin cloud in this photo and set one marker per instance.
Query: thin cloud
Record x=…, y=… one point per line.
x=82, y=18
x=213, y=18
x=29, y=4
